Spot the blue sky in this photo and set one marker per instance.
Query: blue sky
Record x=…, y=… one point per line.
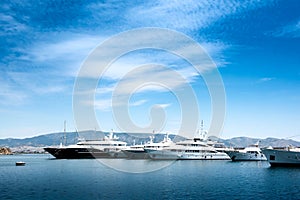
x=255, y=45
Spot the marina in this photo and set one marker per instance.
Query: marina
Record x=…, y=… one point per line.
x=197, y=148
x=135, y=80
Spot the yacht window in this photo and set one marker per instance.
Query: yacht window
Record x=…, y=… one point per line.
x=272, y=157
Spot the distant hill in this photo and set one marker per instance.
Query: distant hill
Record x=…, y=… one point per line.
x=246, y=141
x=55, y=139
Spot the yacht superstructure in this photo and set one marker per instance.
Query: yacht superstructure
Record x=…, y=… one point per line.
x=138, y=151
x=289, y=156
x=251, y=153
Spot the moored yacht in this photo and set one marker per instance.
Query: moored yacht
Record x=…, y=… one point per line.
x=108, y=147
x=289, y=156
x=138, y=151
x=251, y=153
x=190, y=149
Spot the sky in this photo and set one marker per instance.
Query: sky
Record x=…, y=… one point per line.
x=254, y=45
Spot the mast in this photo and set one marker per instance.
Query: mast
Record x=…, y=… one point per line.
x=202, y=126
x=202, y=134
x=65, y=133
x=63, y=139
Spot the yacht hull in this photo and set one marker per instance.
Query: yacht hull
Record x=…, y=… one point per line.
x=241, y=156
x=132, y=154
x=282, y=157
x=206, y=156
x=76, y=153
x=173, y=155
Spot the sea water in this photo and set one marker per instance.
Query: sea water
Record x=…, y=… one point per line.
x=46, y=178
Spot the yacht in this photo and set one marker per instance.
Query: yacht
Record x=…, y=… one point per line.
x=190, y=149
x=289, y=156
x=220, y=147
x=138, y=151
x=108, y=147
x=251, y=153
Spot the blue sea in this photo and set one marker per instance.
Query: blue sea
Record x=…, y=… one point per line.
x=46, y=178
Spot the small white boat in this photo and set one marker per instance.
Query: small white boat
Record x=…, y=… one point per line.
x=20, y=163
x=289, y=156
x=251, y=153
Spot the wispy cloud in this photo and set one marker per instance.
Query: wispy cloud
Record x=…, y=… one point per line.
x=36, y=83
x=10, y=26
x=50, y=66
x=138, y=103
x=65, y=54
x=152, y=78
x=101, y=104
x=163, y=105
x=291, y=30
x=187, y=15
x=148, y=38
x=265, y=79
x=10, y=94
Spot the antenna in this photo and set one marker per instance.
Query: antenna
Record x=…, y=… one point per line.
x=202, y=133
x=65, y=134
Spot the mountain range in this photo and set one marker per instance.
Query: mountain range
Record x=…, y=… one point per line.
x=54, y=139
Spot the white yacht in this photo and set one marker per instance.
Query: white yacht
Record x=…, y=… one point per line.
x=138, y=151
x=220, y=147
x=289, y=156
x=190, y=149
x=251, y=153
x=112, y=146
x=108, y=147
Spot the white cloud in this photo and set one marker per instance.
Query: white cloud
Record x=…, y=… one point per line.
x=124, y=64
x=10, y=94
x=265, y=79
x=10, y=25
x=66, y=54
x=187, y=15
x=59, y=61
x=37, y=83
x=153, y=78
x=108, y=89
x=141, y=81
x=101, y=104
x=163, y=105
x=290, y=30
x=138, y=103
